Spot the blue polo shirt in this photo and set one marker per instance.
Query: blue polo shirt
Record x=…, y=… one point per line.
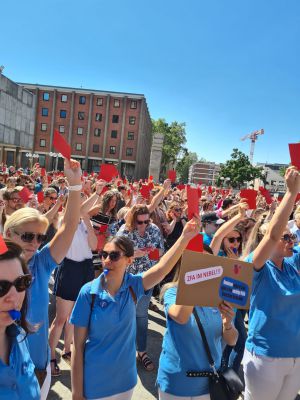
x=110, y=355
x=18, y=380
x=41, y=266
x=183, y=350
x=274, y=319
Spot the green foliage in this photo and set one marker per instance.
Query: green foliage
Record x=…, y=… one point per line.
x=184, y=164
x=282, y=171
x=174, y=140
x=239, y=170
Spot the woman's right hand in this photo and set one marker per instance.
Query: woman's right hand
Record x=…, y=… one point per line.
x=243, y=207
x=191, y=228
x=292, y=179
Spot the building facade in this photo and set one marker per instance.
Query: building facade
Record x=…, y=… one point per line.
x=17, y=119
x=101, y=127
x=275, y=182
x=204, y=173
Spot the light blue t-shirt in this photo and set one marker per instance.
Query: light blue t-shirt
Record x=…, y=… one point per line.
x=18, y=380
x=41, y=266
x=207, y=239
x=110, y=355
x=274, y=318
x=183, y=350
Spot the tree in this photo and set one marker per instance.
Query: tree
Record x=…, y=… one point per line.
x=184, y=164
x=282, y=171
x=239, y=169
x=174, y=140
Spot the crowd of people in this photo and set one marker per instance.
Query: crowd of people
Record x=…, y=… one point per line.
x=110, y=247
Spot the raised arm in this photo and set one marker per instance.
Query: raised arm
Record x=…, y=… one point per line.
x=62, y=240
x=93, y=199
x=54, y=210
x=226, y=228
x=279, y=221
x=158, y=197
x=155, y=274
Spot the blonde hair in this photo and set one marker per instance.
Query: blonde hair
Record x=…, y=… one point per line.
x=258, y=232
x=23, y=216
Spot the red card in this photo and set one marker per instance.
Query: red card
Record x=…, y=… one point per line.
x=49, y=179
x=295, y=154
x=297, y=198
x=145, y=191
x=43, y=172
x=108, y=172
x=250, y=196
x=61, y=145
x=266, y=194
x=154, y=255
x=172, y=175
x=40, y=197
x=104, y=190
x=196, y=244
x=199, y=193
x=150, y=185
x=3, y=247
x=25, y=195
x=193, y=201
x=150, y=178
x=180, y=187
x=85, y=174
x=210, y=190
x=128, y=192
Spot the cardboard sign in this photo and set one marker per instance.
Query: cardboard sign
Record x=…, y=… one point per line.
x=193, y=202
x=172, y=175
x=250, y=196
x=295, y=154
x=196, y=244
x=207, y=280
x=61, y=145
x=108, y=172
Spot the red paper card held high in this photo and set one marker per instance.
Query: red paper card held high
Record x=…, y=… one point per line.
x=193, y=201
x=295, y=154
x=61, y=145
x=250, y=196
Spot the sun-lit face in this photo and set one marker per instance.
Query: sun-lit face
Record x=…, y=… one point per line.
x=232, y=241
x=10, y=270
x=284, y=247
x=114, y=259
x=112, y=203
x=142, y=222
x=29, y=248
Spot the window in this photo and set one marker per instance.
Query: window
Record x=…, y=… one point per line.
x=81, y=115
x=98, y=117
x=43, y=127
x=46, y=96
x=95, y=148
x=112, y=150
x=131, y=120
x=79, y=146
x=116, y=103
x=61, y=128
x=82, y=99
x=129, y=151
x=42, y=160
x=64, y=98
x=99, y=101
x=45, y=112
x=79, y=131
x=130, y=136
x=42, y=143
x=63, y=114
x=115, y=119
x=133, y=104
x=114, y=134
x=97, y=132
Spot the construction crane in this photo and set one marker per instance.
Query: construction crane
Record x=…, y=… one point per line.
x=253, y=137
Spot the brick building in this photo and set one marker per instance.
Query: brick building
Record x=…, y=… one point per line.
x=204, y=173
x=102, y=127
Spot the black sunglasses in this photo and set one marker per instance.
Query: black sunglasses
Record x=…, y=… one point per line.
x=113, y=255
x=146, y=222
x=21, y=283
x=289, y=237
x=234, y=239
x=28, y=237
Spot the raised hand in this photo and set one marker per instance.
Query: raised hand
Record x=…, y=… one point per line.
x=191, y=228
x=292, y=179
x=72, y=172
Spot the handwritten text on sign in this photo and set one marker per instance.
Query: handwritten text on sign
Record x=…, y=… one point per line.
x=201, y=275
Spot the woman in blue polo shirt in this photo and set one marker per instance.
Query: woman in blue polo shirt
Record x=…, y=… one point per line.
x=17, y=377
x=27, y=227
x=272, y=356
x=104, y=315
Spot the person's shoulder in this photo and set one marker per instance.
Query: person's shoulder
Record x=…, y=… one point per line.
x=154, y=227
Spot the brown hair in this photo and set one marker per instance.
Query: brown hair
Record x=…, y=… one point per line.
x=105, y=202
x=171, y=208
x=124, y=244
x=136, y=210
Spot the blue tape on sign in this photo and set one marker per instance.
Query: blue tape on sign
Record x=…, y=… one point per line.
x=234, y=291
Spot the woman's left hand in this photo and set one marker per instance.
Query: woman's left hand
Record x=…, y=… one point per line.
x=72, y=172
x=231, y=254
x=227, y=313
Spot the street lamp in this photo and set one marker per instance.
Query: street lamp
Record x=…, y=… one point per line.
x=227, y=181
x=31, y=156
x=56, y=156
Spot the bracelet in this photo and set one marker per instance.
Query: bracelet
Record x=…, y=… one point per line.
x=75, y=188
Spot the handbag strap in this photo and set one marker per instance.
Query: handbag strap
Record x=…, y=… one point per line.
x=204, y=339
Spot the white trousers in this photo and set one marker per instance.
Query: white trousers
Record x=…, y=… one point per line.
x=271, y=378
x=46, y=385
x=167, y=396
x=120, y=396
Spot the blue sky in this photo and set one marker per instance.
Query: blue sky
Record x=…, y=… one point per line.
x=225, y=68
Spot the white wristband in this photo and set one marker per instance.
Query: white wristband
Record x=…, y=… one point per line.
x=75, y=188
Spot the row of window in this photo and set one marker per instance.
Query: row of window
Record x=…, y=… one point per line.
x=96, y=148
x=80, y=130
x=81, y=116
x=82, y=100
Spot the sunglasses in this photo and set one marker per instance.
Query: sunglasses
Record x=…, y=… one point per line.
x=21, y=283
x=146, y=222
x=289, y=237
x=52, y=198
x=113, y=255
x=28, y=237
x=15, y=200
x=234, y=239
x=177, y=209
